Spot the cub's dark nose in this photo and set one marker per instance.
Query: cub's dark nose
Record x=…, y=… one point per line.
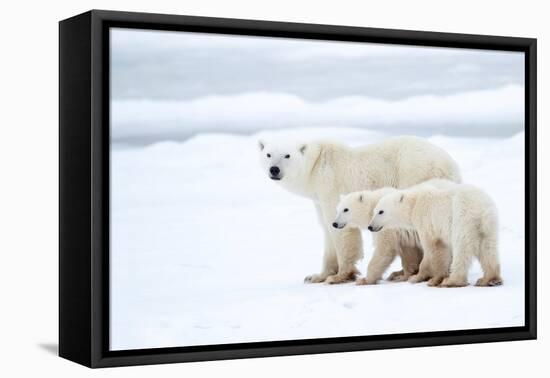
x=335, y=225
x=370, y=228
x=274, y=171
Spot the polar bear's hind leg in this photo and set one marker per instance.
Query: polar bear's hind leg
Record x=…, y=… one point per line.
x=488, y=259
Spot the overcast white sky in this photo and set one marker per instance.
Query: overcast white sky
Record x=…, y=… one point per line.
x=169, y=85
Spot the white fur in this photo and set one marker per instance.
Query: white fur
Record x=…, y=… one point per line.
x=322, y=171
x=455, y=223
x=356, y=210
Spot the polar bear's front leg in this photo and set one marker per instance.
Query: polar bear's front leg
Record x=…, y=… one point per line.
x=383, y=256
x=349, y=249
x=411, y=257
x=441, y=257
x=330, y=264
x=424, y=271
x=330, y=261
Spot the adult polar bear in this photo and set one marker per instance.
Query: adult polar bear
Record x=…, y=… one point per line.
x=322, y=171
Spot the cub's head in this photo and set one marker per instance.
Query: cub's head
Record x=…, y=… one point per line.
x=389, y=212
x=355, y=210
x=282, y=161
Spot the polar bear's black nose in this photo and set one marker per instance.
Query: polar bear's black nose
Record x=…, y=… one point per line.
x=370, y=228
x=335, y=225
x=274, y=171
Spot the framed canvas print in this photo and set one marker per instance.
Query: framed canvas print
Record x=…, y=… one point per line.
x=235, y=188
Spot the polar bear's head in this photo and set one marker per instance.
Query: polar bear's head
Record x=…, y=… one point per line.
x=355, y=209
x=283, y=161
x=390, y=212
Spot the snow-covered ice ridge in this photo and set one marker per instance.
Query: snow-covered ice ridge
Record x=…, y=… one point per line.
x=205, y=249
x=469, y=113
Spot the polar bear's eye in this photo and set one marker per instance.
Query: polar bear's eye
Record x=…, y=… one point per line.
x=381, y=212
x=346, y=210
x=268, y=155
x=287, y=156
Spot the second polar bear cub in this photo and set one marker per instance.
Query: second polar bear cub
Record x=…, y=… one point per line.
x=454, y=224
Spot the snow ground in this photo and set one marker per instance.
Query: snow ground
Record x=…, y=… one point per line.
x=205, y=249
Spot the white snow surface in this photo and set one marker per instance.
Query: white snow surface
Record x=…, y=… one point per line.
x=205, y=249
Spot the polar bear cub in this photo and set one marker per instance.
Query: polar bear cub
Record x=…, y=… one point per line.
x=454, y=224
x=355, y=210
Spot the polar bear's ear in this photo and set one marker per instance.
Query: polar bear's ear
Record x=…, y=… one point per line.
x=360, y=198
x=302, y=148
x=261, y=145
x=401, y=198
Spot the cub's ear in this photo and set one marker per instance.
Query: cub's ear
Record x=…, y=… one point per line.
x=360, y=198
x=261, y=145
x=302, y=148
x=401, y=198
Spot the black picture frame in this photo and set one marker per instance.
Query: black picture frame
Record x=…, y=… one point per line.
x=84, y=188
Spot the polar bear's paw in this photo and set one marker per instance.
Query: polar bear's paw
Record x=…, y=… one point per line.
x=314, y=278
x=401, y=278
x=449, y=282
x=365, y=281
x=416, y=278
x=435, y=281
x=495, y=281
x=340, y=278
x=397, y=276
